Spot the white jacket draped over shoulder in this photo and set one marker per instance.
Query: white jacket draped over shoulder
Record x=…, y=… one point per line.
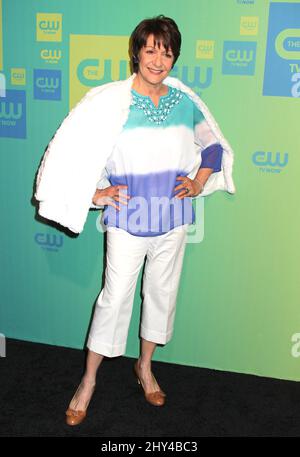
x=74, y=162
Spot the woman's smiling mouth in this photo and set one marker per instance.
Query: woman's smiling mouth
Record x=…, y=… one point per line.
x=156, y=72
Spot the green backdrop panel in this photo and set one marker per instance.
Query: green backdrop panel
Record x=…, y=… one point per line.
x=238, y=303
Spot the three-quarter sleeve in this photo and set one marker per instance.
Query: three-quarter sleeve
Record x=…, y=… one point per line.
x=212, y=157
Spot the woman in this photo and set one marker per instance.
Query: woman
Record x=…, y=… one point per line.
x=148, y=181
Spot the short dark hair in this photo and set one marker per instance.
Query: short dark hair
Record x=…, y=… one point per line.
x=165, y=31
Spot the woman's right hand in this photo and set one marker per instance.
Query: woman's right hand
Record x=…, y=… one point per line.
x=109, y=195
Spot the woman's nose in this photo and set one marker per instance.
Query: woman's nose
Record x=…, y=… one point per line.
x=157, y=60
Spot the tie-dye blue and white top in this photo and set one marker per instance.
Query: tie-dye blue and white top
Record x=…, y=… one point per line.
x=156, y=145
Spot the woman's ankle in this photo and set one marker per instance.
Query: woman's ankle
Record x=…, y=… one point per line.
x=144, y=365
x=87, y=379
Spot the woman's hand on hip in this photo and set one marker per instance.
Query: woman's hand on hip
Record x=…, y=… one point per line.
x=188, y=187
x=110, y=195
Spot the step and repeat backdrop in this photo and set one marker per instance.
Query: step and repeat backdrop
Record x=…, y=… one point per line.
x=238, y=306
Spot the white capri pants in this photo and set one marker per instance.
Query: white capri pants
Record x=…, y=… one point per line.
x=125, y=257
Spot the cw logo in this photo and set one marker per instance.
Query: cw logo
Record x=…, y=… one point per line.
x=91, y=73
x=49, y=242
x=205, y=49
x=11, y=110
x=249, y=25
x=288, y=38
x=48, y=27
x=196, y=77
x=47, y=83
x=270, y=159
x=18, y=76
x=95, y=60
x=51, y=54
x=13, y=114
x=237, y=55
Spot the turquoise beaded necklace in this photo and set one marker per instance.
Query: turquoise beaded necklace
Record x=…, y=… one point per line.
x=160, y=113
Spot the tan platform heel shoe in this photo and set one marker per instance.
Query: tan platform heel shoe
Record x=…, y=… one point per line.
x=75, y=417
x=156, y=398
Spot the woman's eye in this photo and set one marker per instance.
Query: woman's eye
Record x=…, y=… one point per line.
x=149, y=51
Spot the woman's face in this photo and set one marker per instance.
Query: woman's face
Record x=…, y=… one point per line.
x=154, y=63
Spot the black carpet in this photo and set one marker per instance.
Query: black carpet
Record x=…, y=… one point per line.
x=37, y=382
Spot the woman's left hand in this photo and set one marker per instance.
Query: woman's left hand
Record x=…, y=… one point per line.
x=190, y=187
